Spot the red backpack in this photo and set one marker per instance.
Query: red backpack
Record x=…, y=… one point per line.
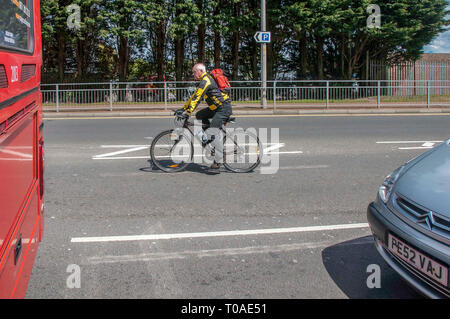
x=221, y=80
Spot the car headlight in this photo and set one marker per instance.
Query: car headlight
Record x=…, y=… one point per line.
x=386, y=188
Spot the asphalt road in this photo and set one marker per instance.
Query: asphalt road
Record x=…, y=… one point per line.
x=103, y=202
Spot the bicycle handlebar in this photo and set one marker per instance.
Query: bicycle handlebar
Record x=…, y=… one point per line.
x=180, y=114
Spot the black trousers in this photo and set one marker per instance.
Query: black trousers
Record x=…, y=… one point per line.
x=218, y=116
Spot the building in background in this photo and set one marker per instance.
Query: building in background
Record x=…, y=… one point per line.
x=431, y=72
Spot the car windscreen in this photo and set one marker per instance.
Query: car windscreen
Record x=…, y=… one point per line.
x=16, y=25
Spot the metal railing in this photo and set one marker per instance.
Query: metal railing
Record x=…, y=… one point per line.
x=247, y=94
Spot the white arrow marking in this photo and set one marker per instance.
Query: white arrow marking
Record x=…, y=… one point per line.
x=425, y=144
x=406, y=142
x=120, y=152
x=415, y=148
x=268, y=150
x=428, y=144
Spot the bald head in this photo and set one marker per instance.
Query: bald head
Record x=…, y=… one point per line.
x=200, y=67
x=198, y=70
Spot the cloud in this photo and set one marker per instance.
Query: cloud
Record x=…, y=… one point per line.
x=439, y=45
x=442, y=43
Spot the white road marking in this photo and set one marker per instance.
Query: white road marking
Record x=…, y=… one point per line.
x=269, y=150
x=284, y=152
x=407, y=142
x=277, y=146
x=428, y=144
x=425, y=144
x=415, y=148
x=145, y=257
x=181, y=156
x=158, y=256
x=147, y=146
x=121, y=158
x=301, y=167
x=216, y=233
x=120, y=152
x=123, y=146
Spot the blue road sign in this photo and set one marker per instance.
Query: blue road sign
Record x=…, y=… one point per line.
x=262, y=37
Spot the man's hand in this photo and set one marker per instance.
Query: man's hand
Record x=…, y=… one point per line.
x=179, y=111
x=182, y=113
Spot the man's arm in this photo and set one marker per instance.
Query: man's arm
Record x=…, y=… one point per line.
x=195, y=99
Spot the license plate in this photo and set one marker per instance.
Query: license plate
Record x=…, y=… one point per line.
x=421, y=262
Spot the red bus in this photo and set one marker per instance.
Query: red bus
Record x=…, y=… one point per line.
x=21, y=144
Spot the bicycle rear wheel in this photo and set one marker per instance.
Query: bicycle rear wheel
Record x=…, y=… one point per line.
x=242, y=151
x=171, y=152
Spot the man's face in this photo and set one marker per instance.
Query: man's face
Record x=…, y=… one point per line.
x=196, y=73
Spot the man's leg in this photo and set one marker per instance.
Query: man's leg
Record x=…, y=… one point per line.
x=204, y=116
x=217, y=121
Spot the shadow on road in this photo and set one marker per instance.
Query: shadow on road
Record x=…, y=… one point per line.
x=347, y=264
x=195, y=168
x=192, y=167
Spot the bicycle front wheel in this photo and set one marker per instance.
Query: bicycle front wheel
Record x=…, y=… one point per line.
x=242, y=151
x=171, y=152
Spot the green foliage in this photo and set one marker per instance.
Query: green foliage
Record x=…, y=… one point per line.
x=310, y=39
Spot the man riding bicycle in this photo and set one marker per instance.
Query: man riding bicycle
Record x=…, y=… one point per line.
x=218, y=110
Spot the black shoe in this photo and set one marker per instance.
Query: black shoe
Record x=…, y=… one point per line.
x=214, y=168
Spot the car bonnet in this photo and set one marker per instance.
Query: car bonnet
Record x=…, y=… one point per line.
x=427, y=182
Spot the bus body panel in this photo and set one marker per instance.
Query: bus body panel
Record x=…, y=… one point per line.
x=17, y=175
x=21, y=164
x=21, y=252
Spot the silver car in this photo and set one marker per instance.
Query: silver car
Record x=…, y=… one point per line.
x=410, y=221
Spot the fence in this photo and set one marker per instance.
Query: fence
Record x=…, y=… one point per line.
x=407, y=73
x=247, y=94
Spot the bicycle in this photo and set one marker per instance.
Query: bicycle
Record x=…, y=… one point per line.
x=173, y=150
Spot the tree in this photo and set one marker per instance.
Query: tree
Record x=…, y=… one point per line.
x=186, y=17
x=311, y=39
x=156, y=15
x=119, y=26
x=85, y=39
x=54, y=35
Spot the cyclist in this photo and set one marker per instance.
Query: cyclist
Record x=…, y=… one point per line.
x=218, y=110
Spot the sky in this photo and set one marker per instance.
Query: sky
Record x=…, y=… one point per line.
x=442, y=43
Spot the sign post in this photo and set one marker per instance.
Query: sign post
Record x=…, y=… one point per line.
x=263, y=37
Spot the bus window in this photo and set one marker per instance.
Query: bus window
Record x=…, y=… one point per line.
x=16, y=25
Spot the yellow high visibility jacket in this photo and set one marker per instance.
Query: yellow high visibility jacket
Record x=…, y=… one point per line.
x=210, y=91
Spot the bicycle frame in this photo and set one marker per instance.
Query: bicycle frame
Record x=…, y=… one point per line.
x=176, y=135
x=187, y=125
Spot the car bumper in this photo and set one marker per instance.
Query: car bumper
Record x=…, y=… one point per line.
x=382, y=223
